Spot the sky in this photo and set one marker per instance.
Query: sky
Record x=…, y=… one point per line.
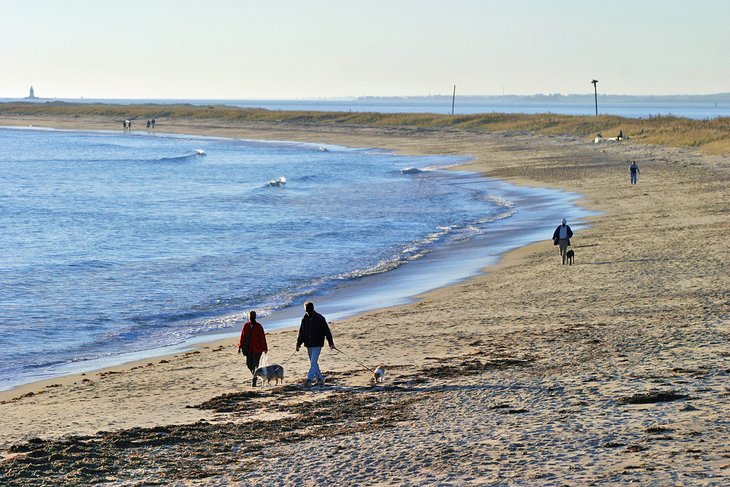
x=304, y=49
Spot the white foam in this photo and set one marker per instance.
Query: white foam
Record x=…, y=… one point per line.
x=277, y=182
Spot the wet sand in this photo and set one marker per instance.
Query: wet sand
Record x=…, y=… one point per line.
x=613, y=370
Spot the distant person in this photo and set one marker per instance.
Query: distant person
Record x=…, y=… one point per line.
x=634, y=171
x=148, y=124
x=561, y=238
x=620, y=134
x=153, y=123
x=252, y=343
x=124, y=125
x=312, y=332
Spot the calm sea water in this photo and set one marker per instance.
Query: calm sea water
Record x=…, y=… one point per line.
x=115, y=243
x=466, y=107
x=642, y=108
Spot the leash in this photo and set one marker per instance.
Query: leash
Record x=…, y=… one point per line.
x=290, y=357
x=365, y=367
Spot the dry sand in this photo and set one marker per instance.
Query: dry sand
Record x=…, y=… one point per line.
x=613, y=370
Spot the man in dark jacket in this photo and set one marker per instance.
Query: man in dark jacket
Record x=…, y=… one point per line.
x=561, y=237
x=312, y=332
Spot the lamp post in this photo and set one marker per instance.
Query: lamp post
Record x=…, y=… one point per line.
x=595, y=93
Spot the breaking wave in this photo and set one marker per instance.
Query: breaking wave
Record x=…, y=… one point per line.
x=185, y=157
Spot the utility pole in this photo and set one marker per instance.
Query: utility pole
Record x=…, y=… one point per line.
x=453, y=99
x=595, y=93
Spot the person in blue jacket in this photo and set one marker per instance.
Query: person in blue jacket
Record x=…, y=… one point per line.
x=561, y=238
x=634, y=171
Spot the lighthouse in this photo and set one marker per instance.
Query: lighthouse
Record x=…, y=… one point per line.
x=31, y=96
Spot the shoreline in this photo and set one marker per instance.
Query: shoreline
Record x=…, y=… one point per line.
x=611, y=370
x=381, y=290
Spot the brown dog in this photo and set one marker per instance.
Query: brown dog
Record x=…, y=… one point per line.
x=570, y=256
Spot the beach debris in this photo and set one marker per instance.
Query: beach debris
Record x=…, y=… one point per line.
x=228, y=403
x=472, y=367
x=635, y=448
x=197, y=451
x=508, y=409
x=652, y=397
x=613, y=444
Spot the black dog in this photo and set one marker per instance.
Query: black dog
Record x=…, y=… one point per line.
x=570, y=255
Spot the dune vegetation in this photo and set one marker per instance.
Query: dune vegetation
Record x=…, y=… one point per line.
x=710, y=136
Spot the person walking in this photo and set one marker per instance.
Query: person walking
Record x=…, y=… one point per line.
x=634, y=170
x=252, y=343
x=312, y=332
x=561, y=238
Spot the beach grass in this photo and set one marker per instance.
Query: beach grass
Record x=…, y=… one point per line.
x=709, y=136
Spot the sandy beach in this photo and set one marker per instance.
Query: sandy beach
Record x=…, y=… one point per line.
x=611, y=371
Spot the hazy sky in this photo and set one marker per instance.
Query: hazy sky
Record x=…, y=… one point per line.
x=244, y=49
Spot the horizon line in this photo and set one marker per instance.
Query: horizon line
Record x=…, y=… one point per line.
x=356, y=97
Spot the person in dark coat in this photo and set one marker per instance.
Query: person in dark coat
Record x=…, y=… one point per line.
x=252, y=343
x=312, y=333
x=561, y=238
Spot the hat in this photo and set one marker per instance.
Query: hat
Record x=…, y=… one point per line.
x=565, y=221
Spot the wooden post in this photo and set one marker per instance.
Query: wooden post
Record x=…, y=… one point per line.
x=453, y=99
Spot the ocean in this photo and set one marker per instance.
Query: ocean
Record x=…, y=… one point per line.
x=695, y=107
x=117, y=246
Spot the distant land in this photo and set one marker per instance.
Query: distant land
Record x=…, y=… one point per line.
x=557, y=98
x=439, y=99
x=632, y=106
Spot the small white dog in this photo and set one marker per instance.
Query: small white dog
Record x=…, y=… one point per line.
x=379, y=374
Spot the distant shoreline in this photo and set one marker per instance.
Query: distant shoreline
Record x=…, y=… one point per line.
x=723, y=97
x=711, y=136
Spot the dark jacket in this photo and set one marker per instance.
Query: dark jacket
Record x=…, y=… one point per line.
x=313, y=331
x=556, y=233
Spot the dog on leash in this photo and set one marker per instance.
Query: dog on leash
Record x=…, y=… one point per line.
x=570, y=256
x=275, y=372
x=379, y=374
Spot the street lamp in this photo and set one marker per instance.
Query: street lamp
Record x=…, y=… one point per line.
x=595, y=94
